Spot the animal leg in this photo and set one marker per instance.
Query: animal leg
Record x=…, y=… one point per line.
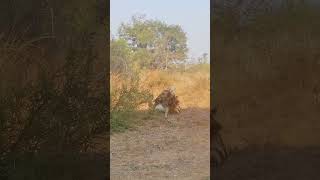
x=166, y=112
x=179, y=109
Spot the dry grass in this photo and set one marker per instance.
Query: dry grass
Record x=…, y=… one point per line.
x=192, y=88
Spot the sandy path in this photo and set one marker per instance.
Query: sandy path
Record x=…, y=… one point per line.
x=178, y=149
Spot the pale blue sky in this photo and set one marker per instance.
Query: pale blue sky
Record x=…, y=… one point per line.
x=192, y=15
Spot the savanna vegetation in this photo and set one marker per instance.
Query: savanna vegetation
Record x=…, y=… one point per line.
x=147, y=56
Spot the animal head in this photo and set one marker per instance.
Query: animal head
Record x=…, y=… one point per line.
x=168, y=99
x=172, y=90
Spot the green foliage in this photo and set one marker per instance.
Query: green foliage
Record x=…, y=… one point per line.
x=154, y=43
x=125, y=100
x=120, y=56
x=141, y=59
x=120, y=121
x=130, y=98
x=203, y=59
x=149, y=52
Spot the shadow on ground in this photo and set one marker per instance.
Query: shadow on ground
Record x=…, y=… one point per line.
x=271, y=163
x=64, y=166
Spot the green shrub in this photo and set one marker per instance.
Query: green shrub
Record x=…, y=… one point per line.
x=125, y=101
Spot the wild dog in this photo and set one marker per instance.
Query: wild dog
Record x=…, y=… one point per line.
x=167, y=102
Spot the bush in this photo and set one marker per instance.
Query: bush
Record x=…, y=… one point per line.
x=127, y=94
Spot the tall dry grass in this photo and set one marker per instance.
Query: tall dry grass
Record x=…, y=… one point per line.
x=192, y=88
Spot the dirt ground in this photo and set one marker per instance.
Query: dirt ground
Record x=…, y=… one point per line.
x=178, y=149
x=159, y=149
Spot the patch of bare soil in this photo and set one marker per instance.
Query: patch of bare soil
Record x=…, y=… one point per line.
x=178, y=149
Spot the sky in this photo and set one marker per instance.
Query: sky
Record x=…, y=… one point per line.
x=192, y=15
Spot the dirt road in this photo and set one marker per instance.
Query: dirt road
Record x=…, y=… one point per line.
x=178, y=149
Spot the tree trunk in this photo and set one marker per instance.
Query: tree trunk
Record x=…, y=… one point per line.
x=166, y=51
x=166, y=60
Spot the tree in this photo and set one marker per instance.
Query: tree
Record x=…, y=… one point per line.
x=120, y=54
x=160, y=42
x=203, y=58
